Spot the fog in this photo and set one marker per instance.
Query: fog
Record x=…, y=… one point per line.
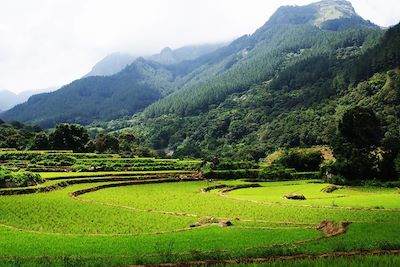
x=46, y=43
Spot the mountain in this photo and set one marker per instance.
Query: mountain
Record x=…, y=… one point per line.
x=168, y=56
x=116, y=62
x=299, y=106
x=195, y=86
x=326, y=14
x=97, y=97
x=290, y=32
x=9, y=99
x=111, y=64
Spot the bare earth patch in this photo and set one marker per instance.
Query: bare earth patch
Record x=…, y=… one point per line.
x=212, y=221
x=295, y=196
x=330, y=228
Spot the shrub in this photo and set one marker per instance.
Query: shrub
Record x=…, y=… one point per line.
x=19, y=179
x=275, y=172
x=235, y=165
x=301, y=160
x=230, y=174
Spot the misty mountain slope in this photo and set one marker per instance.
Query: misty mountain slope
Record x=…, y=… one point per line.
x=97, y=97
x=191, y=87
x=116, y=62
x=170, y=56
x=9, y=99
x=111, y=64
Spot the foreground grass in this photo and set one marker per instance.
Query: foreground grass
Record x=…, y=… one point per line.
x=127, y=225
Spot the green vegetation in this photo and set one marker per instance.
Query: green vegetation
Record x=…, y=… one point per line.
x=298, y=106
x=18, y=179
x=124, y=217
x=297, y=129
x=360, y=151
x=105, y=227
x=63, y=161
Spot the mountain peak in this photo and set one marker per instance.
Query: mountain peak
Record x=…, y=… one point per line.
x=325, y=14
x=333, y=9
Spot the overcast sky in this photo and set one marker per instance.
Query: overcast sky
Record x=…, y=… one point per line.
x=46, y=43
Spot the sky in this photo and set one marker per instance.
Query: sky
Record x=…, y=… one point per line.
x=49, y=43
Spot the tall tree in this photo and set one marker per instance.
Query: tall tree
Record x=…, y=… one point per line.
x=357, y=138
x=70, y=137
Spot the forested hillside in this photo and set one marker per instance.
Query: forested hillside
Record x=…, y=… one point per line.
x=98, y=97
x=299, y=106
x=198, y=85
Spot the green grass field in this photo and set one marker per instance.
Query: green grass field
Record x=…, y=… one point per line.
x=149, y=223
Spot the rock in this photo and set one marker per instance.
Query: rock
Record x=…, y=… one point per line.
x=225, y=223
x=196, y=224
x=295, y=196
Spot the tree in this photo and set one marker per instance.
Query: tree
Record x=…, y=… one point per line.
x=107, y=143
x=390, y=152
x=70, y=137
x=127, y=140
x=41, y=141
x=360, y=127
x=357, y=138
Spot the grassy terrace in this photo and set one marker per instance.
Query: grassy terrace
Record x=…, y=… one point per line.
x=150, y=223
x=144, y=217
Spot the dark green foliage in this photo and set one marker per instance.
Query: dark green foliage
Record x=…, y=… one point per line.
x=388, y=165
x=69, y=137
x=276, y=173
x=358, y=136
x=301, y=160
x=230, y=174
x=41, y=141
x=360, y=127
x=384, y=56
x=107, y=143
x=360, y=154
x=233, y=165
x=16, y=135
x=18, y=179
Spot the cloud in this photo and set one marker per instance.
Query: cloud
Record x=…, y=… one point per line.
x=45, y=42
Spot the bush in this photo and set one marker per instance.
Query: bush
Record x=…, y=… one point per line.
x=275, y=173
x=328, y=173
x=230, y=174
x=301, y=160
x=19, y=179
x=235, y=165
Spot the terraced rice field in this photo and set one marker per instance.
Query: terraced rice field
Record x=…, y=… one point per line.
x=124, y=218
